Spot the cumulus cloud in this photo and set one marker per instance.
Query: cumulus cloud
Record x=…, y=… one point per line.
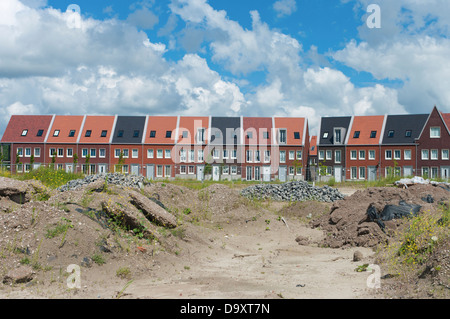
x=285, y=7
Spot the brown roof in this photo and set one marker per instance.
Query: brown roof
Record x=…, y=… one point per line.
x=32, y=123
x=161, y=125
x=295, y=127
x=313, y=146
x=191, y=124
x=257, y=126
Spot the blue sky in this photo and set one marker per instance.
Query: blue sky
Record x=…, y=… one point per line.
x=252, y=58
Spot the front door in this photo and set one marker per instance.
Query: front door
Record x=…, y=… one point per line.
x=216, y=173
x=266, y=173
x=282, y=173
x=69, y=168
x=200, y=172
x=150, y=172
x=372, y=171
x=338, y=174
x=135, y=169
x=407, y=171
x=249, y=171
x=445, y=172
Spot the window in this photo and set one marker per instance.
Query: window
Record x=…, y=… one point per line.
x=249, y=156
x=407, y=154
x=353, y=155
x=168, y=171
x=266, y=135
x=435, y=132
x=52, y=152
x=72, y=133
x=362, y=155
x=56, y=133
x=282, y=133
x=136, y=133
x=200, y=156
x=182, y=155
x=299, y=155
x=150, y=153
x=282, y=156
x=102, y=153
x=125, y=152
x=40, y=132
x=291, y=170
x=159, y=154
x=297, y=135
x=445, y=155
x=434, y=154
x=184, y=134
x=216, y=154
x=104, y=133
x=60, y=152
x=117, y=152
x=167, y=154
x=93, y=152
x=159, y=171
x=183, y=169
x=372, y=155
x=291, y=155
x=390, y=133
x=321, y=155
x=388, y=154
x=152, y=134
x=233, y=170
x=201, y=135
x=24, y=133
x=325, y=135
x=337, y=156
x=233, y=154
x=397, y=154
x=425, y=172
x=408, y=133
x=373, y=134
x=353, y=172
x=88, y=133
x=120, y=133
x=266, y=156
x=362, y=173
x=337, y=136
x=257, y=157
x=328, y=155
x=329, y=170
x=299, y=170
x=27, y=152
x=425, y=154
x=84, y=152
x=191, y=169
x=134, y=153
x=434, y=172
x=356, y=134
x=397, y=171
x=191, y=156
x=37, y=152
x=226, y=170
x=225, y=154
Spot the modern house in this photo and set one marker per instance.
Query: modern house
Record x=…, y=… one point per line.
x=433, y=146
x=363, y=147
x=398, y=147
x=331, y=148
x=312, y=171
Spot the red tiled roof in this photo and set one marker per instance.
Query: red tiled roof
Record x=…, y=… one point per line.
x=191, y=124
x=294, y=126
x=365, y=125
x=160, y=125
x=33, y=123
x=313, y=146
x=97, y=124
x=65, y=123
x=257, y=126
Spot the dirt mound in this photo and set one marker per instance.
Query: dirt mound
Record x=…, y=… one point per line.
x=348, y=223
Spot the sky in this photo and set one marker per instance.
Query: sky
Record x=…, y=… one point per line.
x=300, y=58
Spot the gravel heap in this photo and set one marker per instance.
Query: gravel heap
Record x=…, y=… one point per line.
x=111, y=178
x=292, y=191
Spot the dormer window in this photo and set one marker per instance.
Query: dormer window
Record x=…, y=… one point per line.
x=373, y=134
x=168, y=134
x=88, y=133
x=201, y=135
x=136, y=133
x=325, y=135
x=24, y=133
x=435, y=132
x=337, y=136
x=408, y=133
x=390, y=133
x=72, y=133
x=152, y=134
x=120, y=133
x=40, y=132
x=282, y=136
x=104, y=133
x=356, y=134
x=297, y=135
x=56, y=133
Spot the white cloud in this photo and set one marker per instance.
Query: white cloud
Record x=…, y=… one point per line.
x=285, y=7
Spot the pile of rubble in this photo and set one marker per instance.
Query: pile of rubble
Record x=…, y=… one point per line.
x=292, y=191
x=134, y=181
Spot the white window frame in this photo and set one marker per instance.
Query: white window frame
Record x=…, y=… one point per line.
x=267, y=156
x=372, y=155
x=399, y=153
x=27, y=152
x=158, y=168
x=183, y=169
x=299, y=155
x=436, y=152
x=183, y=156
x=200, y=156
x=117, y=152
x=150, y=153
x=338, y=158
x=216, y=153
x=233, y=154
x=257, y=157
x=37, y=152
x=168, y=171
x=353, y=154
x=69, y=152
x=362, y=154
x=433, y=130
x=233, y=170
x=407, y=155
x=445, y=154
x=386, y=154
x=102, y=152
x=291, y=155
x=84, y=152
x=191, y=169
x=282, y=156
x=353, y=172
x=191, y=156
x=93, y=152
x=362, y=169
x=159, y=153
x=167, y=153
x=328, y=155
x=134, y=153
x=425, y=154
x=126, y=153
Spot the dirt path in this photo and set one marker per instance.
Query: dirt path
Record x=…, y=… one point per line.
x=247, y=261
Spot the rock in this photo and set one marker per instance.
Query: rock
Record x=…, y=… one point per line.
x=153, y=211
x=301, y=240
x=18, y=275
x=15, y=190
x=86, y=262
x=133, y=181
x=357, y=256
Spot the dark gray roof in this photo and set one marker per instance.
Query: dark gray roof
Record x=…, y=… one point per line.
x=223, y=130
x=328, y=124
x=128, y=125
x=397, y=126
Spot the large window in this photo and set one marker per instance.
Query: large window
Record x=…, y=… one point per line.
x=435, y=132
x=425, y=155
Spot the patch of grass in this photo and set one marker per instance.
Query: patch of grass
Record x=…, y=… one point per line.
x=50, y=177
x=123, y=272
x=60, y=228
x=98, y=259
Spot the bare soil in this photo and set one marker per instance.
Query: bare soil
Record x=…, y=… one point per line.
x=225, y=246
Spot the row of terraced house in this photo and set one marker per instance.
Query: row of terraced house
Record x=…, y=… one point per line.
x=249, y=148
